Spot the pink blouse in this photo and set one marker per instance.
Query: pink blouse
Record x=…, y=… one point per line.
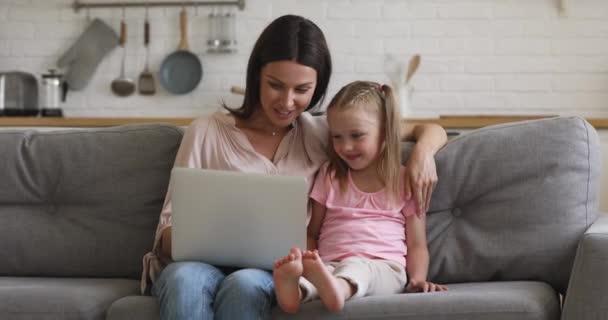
x=214, y=142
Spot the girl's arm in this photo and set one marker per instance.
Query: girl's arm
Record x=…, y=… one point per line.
x=418, y=257
x=314, y=227
x=421, y=171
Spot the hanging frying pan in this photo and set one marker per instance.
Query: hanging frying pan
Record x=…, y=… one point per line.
x=181, y=71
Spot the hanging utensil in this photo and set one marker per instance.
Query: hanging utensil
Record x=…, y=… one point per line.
x=561, y=7
x=146, y=83
x=237, y=90
x=123, y=86
x=412, y=67
x=181, y=71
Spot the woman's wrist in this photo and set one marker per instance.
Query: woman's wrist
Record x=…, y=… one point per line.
x=165, y=242
x=424, y=149
x=430, y=138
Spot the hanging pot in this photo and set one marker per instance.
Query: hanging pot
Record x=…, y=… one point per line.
x=181, y=71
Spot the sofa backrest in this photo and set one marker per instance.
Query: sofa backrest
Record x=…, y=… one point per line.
x=82, y=203
x=513, y=200
x=511, y=203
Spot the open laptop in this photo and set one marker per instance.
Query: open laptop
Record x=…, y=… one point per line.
x=236, y=219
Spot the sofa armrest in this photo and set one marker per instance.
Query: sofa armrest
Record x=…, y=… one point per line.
x=587, y=295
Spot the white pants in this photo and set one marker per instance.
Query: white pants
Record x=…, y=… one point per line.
x=368, y=276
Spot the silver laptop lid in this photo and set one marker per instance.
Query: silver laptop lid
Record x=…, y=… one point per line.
x=236, y=219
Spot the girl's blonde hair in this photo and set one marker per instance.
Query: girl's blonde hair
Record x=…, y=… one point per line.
x=379, y=99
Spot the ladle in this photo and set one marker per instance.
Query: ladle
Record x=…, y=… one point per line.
x=123, y=86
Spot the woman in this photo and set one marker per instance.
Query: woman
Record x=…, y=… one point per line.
x=288, y=74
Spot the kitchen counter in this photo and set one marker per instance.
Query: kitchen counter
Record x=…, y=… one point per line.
x=448, y=122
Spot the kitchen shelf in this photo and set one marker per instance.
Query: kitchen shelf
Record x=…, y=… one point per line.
x=448, y=122
x=122, y=4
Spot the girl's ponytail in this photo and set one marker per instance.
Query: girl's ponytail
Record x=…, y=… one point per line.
x=390, y=157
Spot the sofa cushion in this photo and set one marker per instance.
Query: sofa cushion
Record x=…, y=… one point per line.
x=512, y=202
x=497, y=301
x=61, y=299
x=470, y=301
x=82, y=203
x=134, y=308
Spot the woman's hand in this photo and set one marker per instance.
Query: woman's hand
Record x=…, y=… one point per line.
x=165, y=244
x=421, y=178
x=424, y=286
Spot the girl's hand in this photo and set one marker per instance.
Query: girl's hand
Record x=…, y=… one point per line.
x=421, y=178
x=424, y=286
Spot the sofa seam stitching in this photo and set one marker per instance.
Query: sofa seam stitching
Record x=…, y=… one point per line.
x=371, y=316
x=507, y=125
x=149, y=127
x=588, y=176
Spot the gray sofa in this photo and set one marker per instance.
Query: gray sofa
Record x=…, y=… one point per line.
x=512, y=224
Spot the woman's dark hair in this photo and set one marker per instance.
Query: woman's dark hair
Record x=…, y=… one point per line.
x=291, y=38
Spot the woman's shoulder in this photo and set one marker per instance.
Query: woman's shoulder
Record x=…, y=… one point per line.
x=314, y=133
x=310, y=121
x=200, y=128
x=203, y=121
x=202, y=124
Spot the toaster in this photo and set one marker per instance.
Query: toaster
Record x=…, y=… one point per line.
x=18, y=94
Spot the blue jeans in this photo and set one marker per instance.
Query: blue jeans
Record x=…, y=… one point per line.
x=196, y=290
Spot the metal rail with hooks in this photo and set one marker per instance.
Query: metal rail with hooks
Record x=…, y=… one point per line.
x=86, y=5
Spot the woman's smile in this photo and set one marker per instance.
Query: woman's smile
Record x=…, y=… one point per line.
x=283, y=114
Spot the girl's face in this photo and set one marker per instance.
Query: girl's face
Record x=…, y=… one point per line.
x=355, y=135
x=286, y=89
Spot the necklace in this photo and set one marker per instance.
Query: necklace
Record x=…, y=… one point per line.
x=274, y=133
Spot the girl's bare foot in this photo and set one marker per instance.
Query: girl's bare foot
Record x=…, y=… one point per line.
x=327, y=285
x=287, y=272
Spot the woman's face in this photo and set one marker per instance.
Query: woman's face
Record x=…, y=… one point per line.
x=286, y=89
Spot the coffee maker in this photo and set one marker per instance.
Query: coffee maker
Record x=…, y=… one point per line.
x=54, y=91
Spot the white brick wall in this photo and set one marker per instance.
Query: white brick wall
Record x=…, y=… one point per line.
x=478, y=56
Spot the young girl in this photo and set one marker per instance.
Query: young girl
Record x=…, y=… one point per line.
x=362, y=227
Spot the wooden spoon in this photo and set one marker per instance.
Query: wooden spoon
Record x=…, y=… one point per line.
x=237, y=90
x=561, y=7
x=412, y=67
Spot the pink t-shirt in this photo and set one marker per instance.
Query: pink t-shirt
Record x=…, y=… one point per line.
x=214, y=142
x=358, y=223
